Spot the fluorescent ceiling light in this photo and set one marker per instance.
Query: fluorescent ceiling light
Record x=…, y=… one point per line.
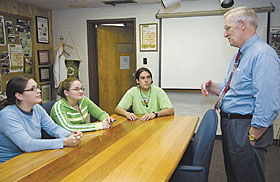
x=115, y=24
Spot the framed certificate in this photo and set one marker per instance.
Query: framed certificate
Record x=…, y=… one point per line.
x=46, y=93
x=44, y=74
x=148, y=37
x=43, y=57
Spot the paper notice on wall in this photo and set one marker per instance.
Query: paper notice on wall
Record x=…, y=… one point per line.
x=16, y=58
x=124, y=62
x=26, y=43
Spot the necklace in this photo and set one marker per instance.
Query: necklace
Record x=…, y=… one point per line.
x=145, y=100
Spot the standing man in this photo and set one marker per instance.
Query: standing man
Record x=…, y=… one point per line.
x=249, y=98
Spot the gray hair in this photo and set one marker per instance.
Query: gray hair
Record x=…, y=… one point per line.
x=243, y=13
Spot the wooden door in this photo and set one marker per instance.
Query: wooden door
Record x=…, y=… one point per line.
x=113, y=43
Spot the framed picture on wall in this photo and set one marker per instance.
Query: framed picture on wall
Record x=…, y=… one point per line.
x=148, y=37
x=43, y=57
x=46, y=91
x=2, y=31
x=44, y=74
x=42, y=29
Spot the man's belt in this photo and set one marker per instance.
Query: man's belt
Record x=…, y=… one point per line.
x=235, y=116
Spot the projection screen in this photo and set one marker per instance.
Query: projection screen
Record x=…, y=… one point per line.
x=193, y=50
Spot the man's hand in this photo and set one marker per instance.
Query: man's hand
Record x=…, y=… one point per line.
x=131, y=116
x=147, y=117
x=205, y=86
x=210, y=87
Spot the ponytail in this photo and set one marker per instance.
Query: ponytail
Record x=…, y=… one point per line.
x=65, y=85
x=3, y=103
x=15, y=85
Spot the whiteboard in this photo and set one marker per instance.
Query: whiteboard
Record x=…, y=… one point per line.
x=193, y=50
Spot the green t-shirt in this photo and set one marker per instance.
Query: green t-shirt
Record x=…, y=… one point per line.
x=158, y=100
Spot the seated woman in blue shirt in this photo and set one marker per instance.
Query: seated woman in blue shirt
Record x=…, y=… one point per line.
x=22, y=119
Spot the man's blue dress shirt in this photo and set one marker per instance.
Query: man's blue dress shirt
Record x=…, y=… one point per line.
x=255, y=85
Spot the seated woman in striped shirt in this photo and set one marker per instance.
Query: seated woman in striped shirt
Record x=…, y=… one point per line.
x=72, y=110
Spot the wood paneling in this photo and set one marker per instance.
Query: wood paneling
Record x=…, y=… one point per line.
x=11, y=7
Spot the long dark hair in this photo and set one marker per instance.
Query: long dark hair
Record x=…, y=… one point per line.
x=15, y=85
x=65, y=85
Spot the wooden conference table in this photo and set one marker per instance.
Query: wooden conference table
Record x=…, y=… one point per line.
x=129, y=151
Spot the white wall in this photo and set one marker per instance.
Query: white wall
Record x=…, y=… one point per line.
x=74, y=21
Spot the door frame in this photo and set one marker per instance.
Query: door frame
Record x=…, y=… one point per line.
x=93, y=52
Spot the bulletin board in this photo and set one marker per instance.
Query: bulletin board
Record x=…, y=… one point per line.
x=16, y=57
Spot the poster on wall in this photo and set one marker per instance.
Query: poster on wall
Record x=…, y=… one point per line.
x=42, y=29
x=16, y=58
x=2, y=32
x=4, y=63
x=23, y=26
x=4, y=57
x=12, y=39
x=26, y=43
x=10, y=28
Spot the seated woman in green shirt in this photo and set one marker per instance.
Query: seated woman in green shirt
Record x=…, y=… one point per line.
x=145, y=98
x=71, y=111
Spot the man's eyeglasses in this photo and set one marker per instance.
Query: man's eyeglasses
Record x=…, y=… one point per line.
x=34, y=89
x=78, y=89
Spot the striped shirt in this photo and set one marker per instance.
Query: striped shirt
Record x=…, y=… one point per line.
x=69, y=118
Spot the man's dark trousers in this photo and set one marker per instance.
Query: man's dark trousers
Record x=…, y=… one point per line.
x=243, y=162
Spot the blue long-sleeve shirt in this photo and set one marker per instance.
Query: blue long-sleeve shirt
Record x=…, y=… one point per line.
x=21, y=132
x=255, y=85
